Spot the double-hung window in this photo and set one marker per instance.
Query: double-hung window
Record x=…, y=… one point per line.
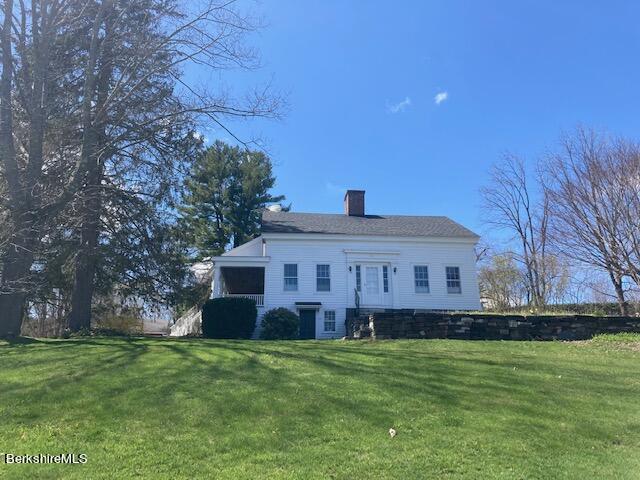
x=329, y=321
x=421, y=278
x=323, y=278
x=453, y=280
x=290, y=277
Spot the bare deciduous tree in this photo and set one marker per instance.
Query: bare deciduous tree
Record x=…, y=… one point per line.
x=590, y=221
x=94, y=108
x=626, y=155
x=30, y=38
x=510, y=205
x=501, y=282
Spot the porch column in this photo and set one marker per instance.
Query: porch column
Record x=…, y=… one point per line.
x=216, y=290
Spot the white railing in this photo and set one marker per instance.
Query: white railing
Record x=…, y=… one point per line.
x=256, y=297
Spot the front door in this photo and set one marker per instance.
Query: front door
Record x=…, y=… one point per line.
x=307, y=324
x=372, y=285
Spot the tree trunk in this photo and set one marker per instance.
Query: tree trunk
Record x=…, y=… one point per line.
x=13, y=263
x=16, y=264
x=93, y=149
x=86, y=261
x=12, y=299
x=85, y=266
x=23, y=184
x=622, y=303
x=84, y=279
x=7, y=146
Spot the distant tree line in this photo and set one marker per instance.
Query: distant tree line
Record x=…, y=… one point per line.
x=579, y=209
x=97, y=133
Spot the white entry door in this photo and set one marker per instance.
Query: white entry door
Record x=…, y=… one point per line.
x=372, y=285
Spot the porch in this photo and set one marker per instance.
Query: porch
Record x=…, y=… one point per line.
x=256, y=297
x=239, y=277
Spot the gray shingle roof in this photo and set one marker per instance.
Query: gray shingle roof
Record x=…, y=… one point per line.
x=391, y=225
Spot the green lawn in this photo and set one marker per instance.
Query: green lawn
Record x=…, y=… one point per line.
x=247, y=409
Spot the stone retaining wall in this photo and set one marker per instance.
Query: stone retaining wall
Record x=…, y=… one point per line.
x=412, y=324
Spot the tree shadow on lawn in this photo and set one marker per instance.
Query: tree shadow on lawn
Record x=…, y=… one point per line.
x=22, y=341
x=322, y=356
x=444, y=384
x=70, y=342
x=335, y=359
x=77, y=364
x=375, y=385
x=344, y=360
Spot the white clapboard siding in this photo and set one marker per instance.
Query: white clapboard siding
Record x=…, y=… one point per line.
x=340, y=253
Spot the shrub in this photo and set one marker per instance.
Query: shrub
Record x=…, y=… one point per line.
x=229, y=318
x=129, y=322
x=97, y=332
x=280, y=324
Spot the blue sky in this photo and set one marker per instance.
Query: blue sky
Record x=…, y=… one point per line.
x=362, y=79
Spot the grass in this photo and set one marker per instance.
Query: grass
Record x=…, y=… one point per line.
x=530, y=312
x=247, y=409
x=622, y=338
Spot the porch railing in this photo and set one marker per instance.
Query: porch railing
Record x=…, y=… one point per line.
x=256, y=297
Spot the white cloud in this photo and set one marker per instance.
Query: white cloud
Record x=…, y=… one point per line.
x=400, y=106
x=199, y=136
x=440, y=97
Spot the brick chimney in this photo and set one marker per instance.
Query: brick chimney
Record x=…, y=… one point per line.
x=354, y=203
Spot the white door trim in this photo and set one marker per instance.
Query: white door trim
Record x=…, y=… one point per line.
x=372, y=289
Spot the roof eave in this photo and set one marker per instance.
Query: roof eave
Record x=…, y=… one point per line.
x=379, y=237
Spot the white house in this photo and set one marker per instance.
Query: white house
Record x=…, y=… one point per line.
x=320, y=265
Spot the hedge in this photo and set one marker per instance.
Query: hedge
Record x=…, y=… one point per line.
x=280, y=324
x=229, y=318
